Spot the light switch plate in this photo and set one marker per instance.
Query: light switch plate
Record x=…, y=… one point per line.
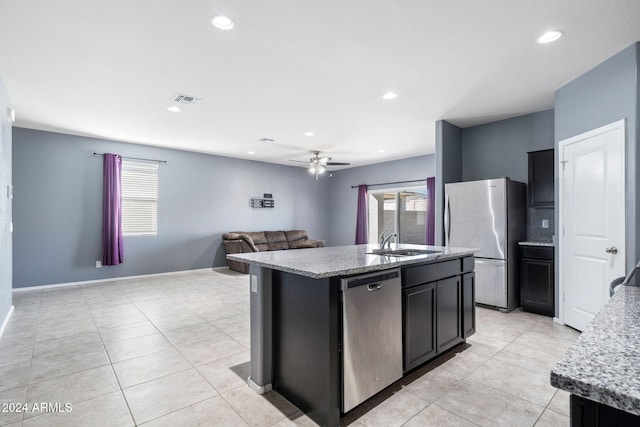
x=545, y=223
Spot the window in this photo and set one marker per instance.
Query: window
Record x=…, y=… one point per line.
x=401, y=211
x=139, y=198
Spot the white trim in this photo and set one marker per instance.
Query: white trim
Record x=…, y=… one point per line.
x=112, y=279
x=6, y=321
x=620, y=124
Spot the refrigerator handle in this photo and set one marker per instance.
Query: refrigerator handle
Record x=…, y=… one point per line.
x=447, y=220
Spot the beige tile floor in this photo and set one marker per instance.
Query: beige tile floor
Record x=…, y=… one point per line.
x=174, y=351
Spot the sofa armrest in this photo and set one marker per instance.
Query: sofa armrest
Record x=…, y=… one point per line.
x=239, y=238
x=310, y=244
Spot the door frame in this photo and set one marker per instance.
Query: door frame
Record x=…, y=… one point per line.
x=620, y=124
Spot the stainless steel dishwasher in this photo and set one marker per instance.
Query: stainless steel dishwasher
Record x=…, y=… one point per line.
x=371, y=335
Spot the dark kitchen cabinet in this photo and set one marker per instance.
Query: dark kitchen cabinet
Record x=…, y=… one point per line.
x=448, y=299
x=537, y=281
x=438, y=308
x=541, y=178
x=468, y=305
x=420, y=324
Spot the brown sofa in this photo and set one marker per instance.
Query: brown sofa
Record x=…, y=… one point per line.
x=260, y=241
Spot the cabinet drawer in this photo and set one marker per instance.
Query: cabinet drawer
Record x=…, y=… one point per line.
x=537, y=252
x=468, y=264
x=430, y=272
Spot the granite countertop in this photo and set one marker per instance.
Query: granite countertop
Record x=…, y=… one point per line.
x=549, y=244
x=335, y=261
x=604, y=363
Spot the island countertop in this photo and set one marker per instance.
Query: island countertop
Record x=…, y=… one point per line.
x=335, y=261
x=603, y=365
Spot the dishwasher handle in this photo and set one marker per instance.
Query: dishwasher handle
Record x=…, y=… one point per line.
x=373, y=281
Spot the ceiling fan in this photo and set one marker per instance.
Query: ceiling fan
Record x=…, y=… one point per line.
x=317, y=165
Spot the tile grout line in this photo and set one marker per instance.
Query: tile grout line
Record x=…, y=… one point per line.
x=124, y=397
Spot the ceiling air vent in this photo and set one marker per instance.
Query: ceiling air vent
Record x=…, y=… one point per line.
x=186, y=99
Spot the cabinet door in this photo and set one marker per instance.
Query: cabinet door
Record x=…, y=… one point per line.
x=419, y=324
x=537, y=286
x=541, y=179
x=448, y=298
x=468, y=305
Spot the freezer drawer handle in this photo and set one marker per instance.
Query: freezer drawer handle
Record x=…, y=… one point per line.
x=374, y=287
x=611, y=250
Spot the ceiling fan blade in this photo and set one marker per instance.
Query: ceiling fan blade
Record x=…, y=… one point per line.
x=324, y=160
x=337, y=164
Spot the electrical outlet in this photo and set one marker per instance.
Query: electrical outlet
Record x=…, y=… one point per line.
x=98, y=264
x=545, y=223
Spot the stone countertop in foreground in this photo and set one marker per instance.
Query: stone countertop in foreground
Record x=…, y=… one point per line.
x=333, y=261
x=603, y=364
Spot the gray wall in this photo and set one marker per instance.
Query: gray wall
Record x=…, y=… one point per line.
x=448, y=167
x=343, y=199
x=58, y=205
x=605, y=94
x=499, y=149
x=5, y=205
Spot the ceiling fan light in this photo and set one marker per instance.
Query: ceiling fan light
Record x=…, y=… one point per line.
x=321, y=169
x=312, y=170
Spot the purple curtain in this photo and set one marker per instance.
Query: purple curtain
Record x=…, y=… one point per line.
x=431, y=211
x=111, y=210
x=362, y=229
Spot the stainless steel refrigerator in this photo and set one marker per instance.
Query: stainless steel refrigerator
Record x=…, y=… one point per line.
x=489, y=215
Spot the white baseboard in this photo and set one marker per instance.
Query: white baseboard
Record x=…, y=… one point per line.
x=6, y=321
x=113, y=279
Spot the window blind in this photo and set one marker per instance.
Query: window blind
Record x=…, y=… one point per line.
x=139, y=198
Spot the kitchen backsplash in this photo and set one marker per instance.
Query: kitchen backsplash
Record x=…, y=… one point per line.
x=535, y=232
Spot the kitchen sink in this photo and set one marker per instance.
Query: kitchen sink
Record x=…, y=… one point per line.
x=403, y=252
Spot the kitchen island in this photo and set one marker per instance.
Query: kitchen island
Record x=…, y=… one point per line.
x=601, y=369
x=298, y=320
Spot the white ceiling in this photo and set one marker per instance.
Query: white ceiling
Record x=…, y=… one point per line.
x=109, y=69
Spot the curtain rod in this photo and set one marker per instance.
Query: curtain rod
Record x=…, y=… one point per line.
x=389, y=183
x=135, y=158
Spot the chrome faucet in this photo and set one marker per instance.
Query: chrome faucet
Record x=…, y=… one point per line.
x=382, y=237
x=385, y=238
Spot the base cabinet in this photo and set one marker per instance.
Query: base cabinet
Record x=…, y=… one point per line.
x=537, y=282
x=438, y=309
x=588, y=413
x=448, y=308
x=468, y=304
x=419, y=324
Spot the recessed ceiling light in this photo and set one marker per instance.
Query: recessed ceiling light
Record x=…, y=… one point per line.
x=173, y=109
x=251, y=152
x=390, y=95
x=550, y=36
x=222, y=22
x=309, y=134
x=380, y=151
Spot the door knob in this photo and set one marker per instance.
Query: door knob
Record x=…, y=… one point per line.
x=611, y=250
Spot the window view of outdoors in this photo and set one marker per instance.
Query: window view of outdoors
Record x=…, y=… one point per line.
x=402, y=212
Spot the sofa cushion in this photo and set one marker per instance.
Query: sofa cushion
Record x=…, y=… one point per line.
x=298, y=239
x=276, y=240
x=259, y=240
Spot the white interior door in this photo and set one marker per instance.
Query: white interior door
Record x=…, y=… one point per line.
x=592, y=220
